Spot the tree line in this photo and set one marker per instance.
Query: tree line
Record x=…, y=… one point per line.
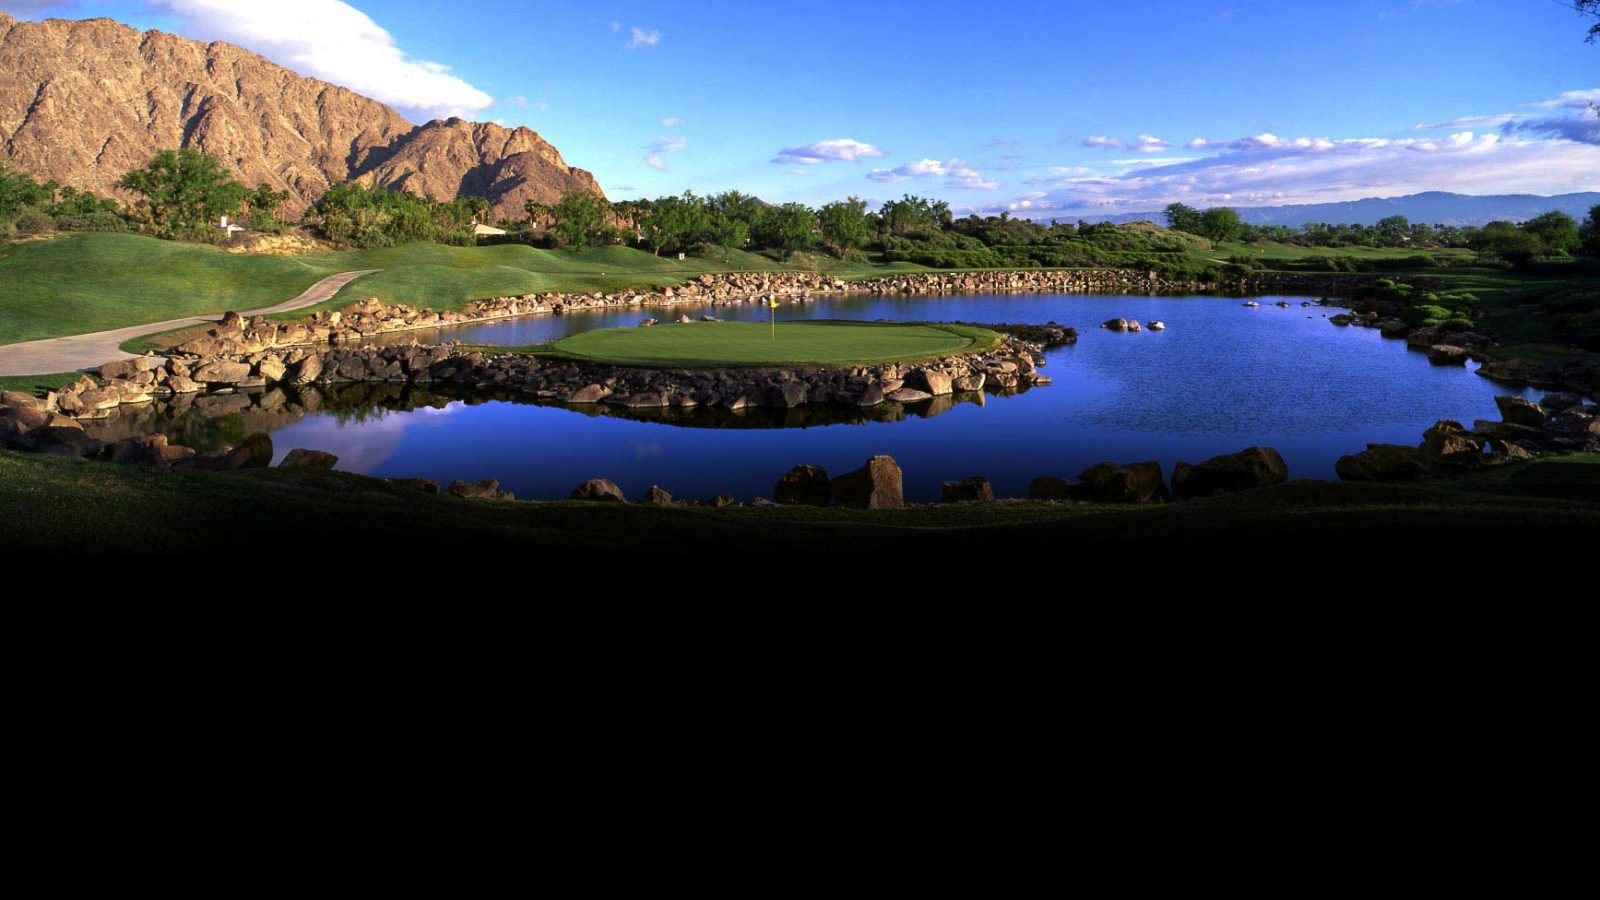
x=1553, y=235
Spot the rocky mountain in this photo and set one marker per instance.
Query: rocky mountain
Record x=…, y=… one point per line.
x=1433, y=207
x=82, y=102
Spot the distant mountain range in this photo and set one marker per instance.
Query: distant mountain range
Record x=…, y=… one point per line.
x=82, y=102
x=1432, y=207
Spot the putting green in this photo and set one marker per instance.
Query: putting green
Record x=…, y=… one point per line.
x=806, y=342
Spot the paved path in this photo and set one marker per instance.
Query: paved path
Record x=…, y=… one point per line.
x=85, y=351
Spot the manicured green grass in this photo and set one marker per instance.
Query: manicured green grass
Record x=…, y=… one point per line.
x=93, y=282
x=37, y=384
x=1267, y=251
x=76, y=283
x=54, y=506
x=809, y=342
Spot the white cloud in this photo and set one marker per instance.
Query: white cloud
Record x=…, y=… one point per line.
x=1266, y=169
x=955, y=172
x=1100, y=140
x=659, y=148
x=1572, y=99
x=671, y=122
x=641, y=37
x=836, y=150
x=336, y=42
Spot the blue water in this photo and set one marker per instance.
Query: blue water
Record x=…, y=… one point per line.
x=1221, y=377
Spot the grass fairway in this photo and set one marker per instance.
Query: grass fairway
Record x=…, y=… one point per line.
x=810, y=342
x=78, y=283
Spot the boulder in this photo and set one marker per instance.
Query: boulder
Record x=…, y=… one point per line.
x=1518, y=411
x=1053, y=487
x=593, y=393
x=1157, y=326
x=876, y=485
x=969, y=383
x=301, y=458
x=1109, y=482
x=934, y=382
x=1115, y=324
x=976, y=489
x=271, y=368
x=1448, y=354
x=221, y=372
x=20, y=400
x=59, y=440
x=1560, y=402
x=487, y=489
x=720, y=501
x=254, y=453
x=1252, y=467
x=598, y=489
x=872, y=396
x=416, y=483
x=656, y=496
x=1383, y=462
x=1449, y=443
x=804, y=485
x=909, y=395
x=793, y=393
x=307, y=370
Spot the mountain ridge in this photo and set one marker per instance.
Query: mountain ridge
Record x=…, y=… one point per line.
x=85, y=100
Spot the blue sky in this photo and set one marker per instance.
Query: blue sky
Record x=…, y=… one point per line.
x=1043, y=108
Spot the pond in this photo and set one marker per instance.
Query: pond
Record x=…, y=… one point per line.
x=1219, y=378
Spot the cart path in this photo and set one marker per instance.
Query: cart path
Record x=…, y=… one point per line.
x=86, y=351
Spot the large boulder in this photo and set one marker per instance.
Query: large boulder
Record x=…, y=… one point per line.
x=1448, y=354
x=1522, y=412
x=1109, y=482
x=934, y=381
x=254, y=453
x=301, y=458
x=1383, y=462
x=804, y=485
x=876, y=485
x=1252, y=467
x=793, y=393
x=599, y=489
x=221, y=371
x=657, y=496
x=593, y=393
x=976, y=489
x=1053, y=487
x=1448, y=443
x=307, y=370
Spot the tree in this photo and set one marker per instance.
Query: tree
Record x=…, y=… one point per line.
x=1393, y=230
x=184, y=192
x=787, y=228
x=911, y=213
x=1182, y=218
x=578, y=215
x=732, y=217
x=845, y=225
x=1591, y=232
x=1220, y=223
x=1508, y=242
x=675, y=223
x=1557, y=233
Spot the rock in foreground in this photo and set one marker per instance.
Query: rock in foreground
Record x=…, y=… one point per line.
x=1252, y=467
x=876, y=485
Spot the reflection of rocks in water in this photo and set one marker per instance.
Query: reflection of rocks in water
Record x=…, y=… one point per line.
x=777, y=417
x=208, y=421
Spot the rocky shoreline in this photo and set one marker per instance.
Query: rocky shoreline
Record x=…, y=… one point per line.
x=371, y=319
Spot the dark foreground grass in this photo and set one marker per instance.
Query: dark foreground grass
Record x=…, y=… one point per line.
x=52, y=506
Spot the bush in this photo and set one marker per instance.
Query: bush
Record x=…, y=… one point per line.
x=32, y=221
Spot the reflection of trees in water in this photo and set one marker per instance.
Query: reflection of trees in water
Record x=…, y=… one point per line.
x=210, y=420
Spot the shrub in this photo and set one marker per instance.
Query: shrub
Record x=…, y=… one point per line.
x=31, y=221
